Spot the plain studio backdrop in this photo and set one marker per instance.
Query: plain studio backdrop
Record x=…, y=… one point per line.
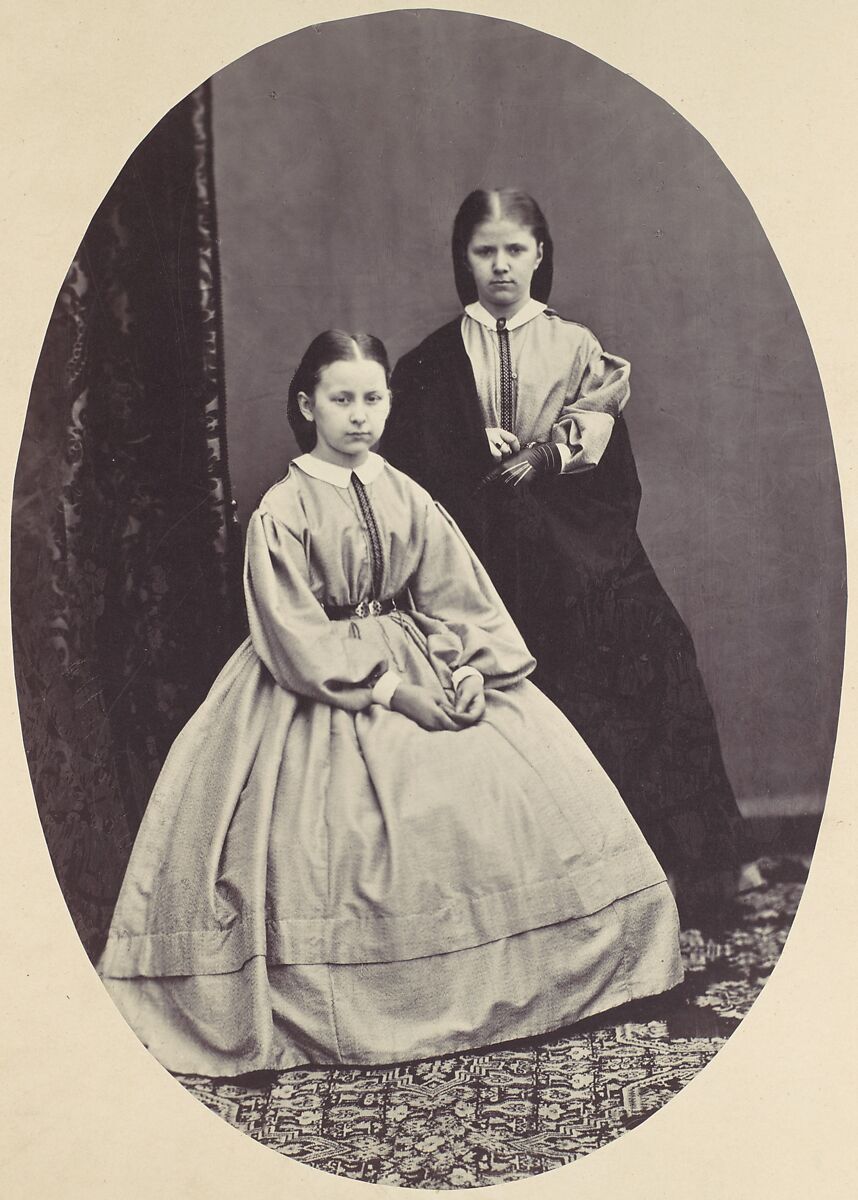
x=341, y=155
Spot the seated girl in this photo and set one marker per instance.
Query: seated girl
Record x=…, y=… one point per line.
x=376, y=840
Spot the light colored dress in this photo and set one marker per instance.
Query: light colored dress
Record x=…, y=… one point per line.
x=318, y=879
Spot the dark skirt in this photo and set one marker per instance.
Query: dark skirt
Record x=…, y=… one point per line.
x=612, y=651
x=617, y=659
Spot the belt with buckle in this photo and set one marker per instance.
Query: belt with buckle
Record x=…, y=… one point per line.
x=368, y=608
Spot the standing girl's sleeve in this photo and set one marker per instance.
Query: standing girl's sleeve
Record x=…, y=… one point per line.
x=451, y=586
x=305, y=651
x=598, y=391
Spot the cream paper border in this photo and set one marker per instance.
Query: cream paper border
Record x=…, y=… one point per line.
x=85, y=1111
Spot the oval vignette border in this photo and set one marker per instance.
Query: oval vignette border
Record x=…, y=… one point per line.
x=831, y=391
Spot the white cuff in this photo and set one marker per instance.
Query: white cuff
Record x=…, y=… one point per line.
x=463, y=672
x=565, y=456
x=382, y=692
x=585, y=438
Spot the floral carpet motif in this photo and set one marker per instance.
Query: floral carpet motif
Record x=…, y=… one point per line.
x=514, y=1111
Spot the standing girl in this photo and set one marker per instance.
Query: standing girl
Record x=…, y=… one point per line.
x=511, y=417
x=375, y=840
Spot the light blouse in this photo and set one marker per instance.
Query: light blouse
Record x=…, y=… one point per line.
x=566, y=388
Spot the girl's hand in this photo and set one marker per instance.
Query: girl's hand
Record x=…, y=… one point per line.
x=470, y=699
x=426, y=709
x=502, y=443
x=520, y=470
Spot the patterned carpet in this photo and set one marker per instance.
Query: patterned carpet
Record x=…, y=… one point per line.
x=524, y=1108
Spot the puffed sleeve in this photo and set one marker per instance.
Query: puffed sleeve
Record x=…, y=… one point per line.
x=451, y=586
x=599, y=391
x=305, y=651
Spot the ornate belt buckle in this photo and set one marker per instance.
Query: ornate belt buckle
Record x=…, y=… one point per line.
x=361, y=609
x=375, y=608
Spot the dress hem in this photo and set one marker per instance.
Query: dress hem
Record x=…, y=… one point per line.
x=293, y=942
x=288, y=1062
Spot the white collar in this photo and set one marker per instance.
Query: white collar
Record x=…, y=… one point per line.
x=526, y=313
x=340, y=477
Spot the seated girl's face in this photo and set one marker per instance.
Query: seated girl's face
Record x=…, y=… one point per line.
x=349, y=406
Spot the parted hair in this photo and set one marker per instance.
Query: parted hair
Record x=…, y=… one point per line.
x=334, y=345
x=513, y=205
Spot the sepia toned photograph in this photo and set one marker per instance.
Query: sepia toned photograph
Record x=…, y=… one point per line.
x=428, y=599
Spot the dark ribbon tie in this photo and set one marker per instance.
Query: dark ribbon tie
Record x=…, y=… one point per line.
x=507, y=416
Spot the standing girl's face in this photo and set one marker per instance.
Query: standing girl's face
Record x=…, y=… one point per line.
x=502, y=257
x=349, y=407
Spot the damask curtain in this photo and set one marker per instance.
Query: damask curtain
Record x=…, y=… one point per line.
x=126, y=558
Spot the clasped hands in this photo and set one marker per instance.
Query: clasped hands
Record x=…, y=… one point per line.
x=517, y=467
x=431, y=712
